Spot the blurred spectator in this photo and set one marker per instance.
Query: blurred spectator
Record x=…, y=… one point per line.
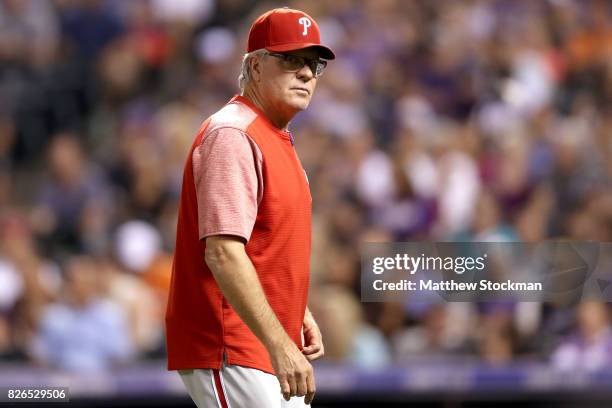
x=140, y=307
x=441, y=331
x=139, y=250
x=30, y=281
x=143, y=292
x=347, y=336
x=89, y=25
x=72, y=195
x=489, y=225
x=590, y=346
x=532, y=222
x=458, y=181
x=496, y=338
x=85, y=332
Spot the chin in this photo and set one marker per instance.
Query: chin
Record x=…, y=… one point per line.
x=299, y=103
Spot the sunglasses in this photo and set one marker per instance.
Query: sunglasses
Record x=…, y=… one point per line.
x=294, y=63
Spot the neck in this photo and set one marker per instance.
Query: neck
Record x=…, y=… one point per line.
x=277, y=118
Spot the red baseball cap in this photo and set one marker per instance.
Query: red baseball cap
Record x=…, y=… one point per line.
x=285, y=29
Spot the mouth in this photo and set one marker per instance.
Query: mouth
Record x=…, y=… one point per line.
x=302, y=90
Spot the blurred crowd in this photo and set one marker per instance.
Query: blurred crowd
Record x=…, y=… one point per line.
x=472, y=120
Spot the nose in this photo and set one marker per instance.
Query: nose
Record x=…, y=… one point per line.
x=305, y=73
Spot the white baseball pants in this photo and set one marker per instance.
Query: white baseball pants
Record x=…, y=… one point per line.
x=236, y=387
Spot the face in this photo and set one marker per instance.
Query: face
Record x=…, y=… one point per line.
x=82, y=280
x=287, y=92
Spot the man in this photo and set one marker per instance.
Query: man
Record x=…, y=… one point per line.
x=238, y=328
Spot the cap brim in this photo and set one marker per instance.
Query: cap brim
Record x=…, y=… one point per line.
x=324, y=52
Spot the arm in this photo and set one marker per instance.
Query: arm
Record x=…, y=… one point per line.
x=236, y=276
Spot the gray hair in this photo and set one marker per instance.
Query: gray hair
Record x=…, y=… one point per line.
x=245, y=73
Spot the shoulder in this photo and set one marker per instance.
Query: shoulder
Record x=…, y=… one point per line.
x=228, y=128
x=232, y=116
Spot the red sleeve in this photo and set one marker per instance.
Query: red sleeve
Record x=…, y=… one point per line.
x=227, y=172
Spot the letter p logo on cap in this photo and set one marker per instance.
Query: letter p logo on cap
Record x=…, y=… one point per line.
x=305, y=21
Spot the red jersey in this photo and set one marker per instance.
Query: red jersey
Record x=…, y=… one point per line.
x=242, y=177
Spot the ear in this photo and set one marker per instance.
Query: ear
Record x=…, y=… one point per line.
x=256, y=68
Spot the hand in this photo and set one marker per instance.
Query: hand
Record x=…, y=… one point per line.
x=313, y=341
x=293, y=371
